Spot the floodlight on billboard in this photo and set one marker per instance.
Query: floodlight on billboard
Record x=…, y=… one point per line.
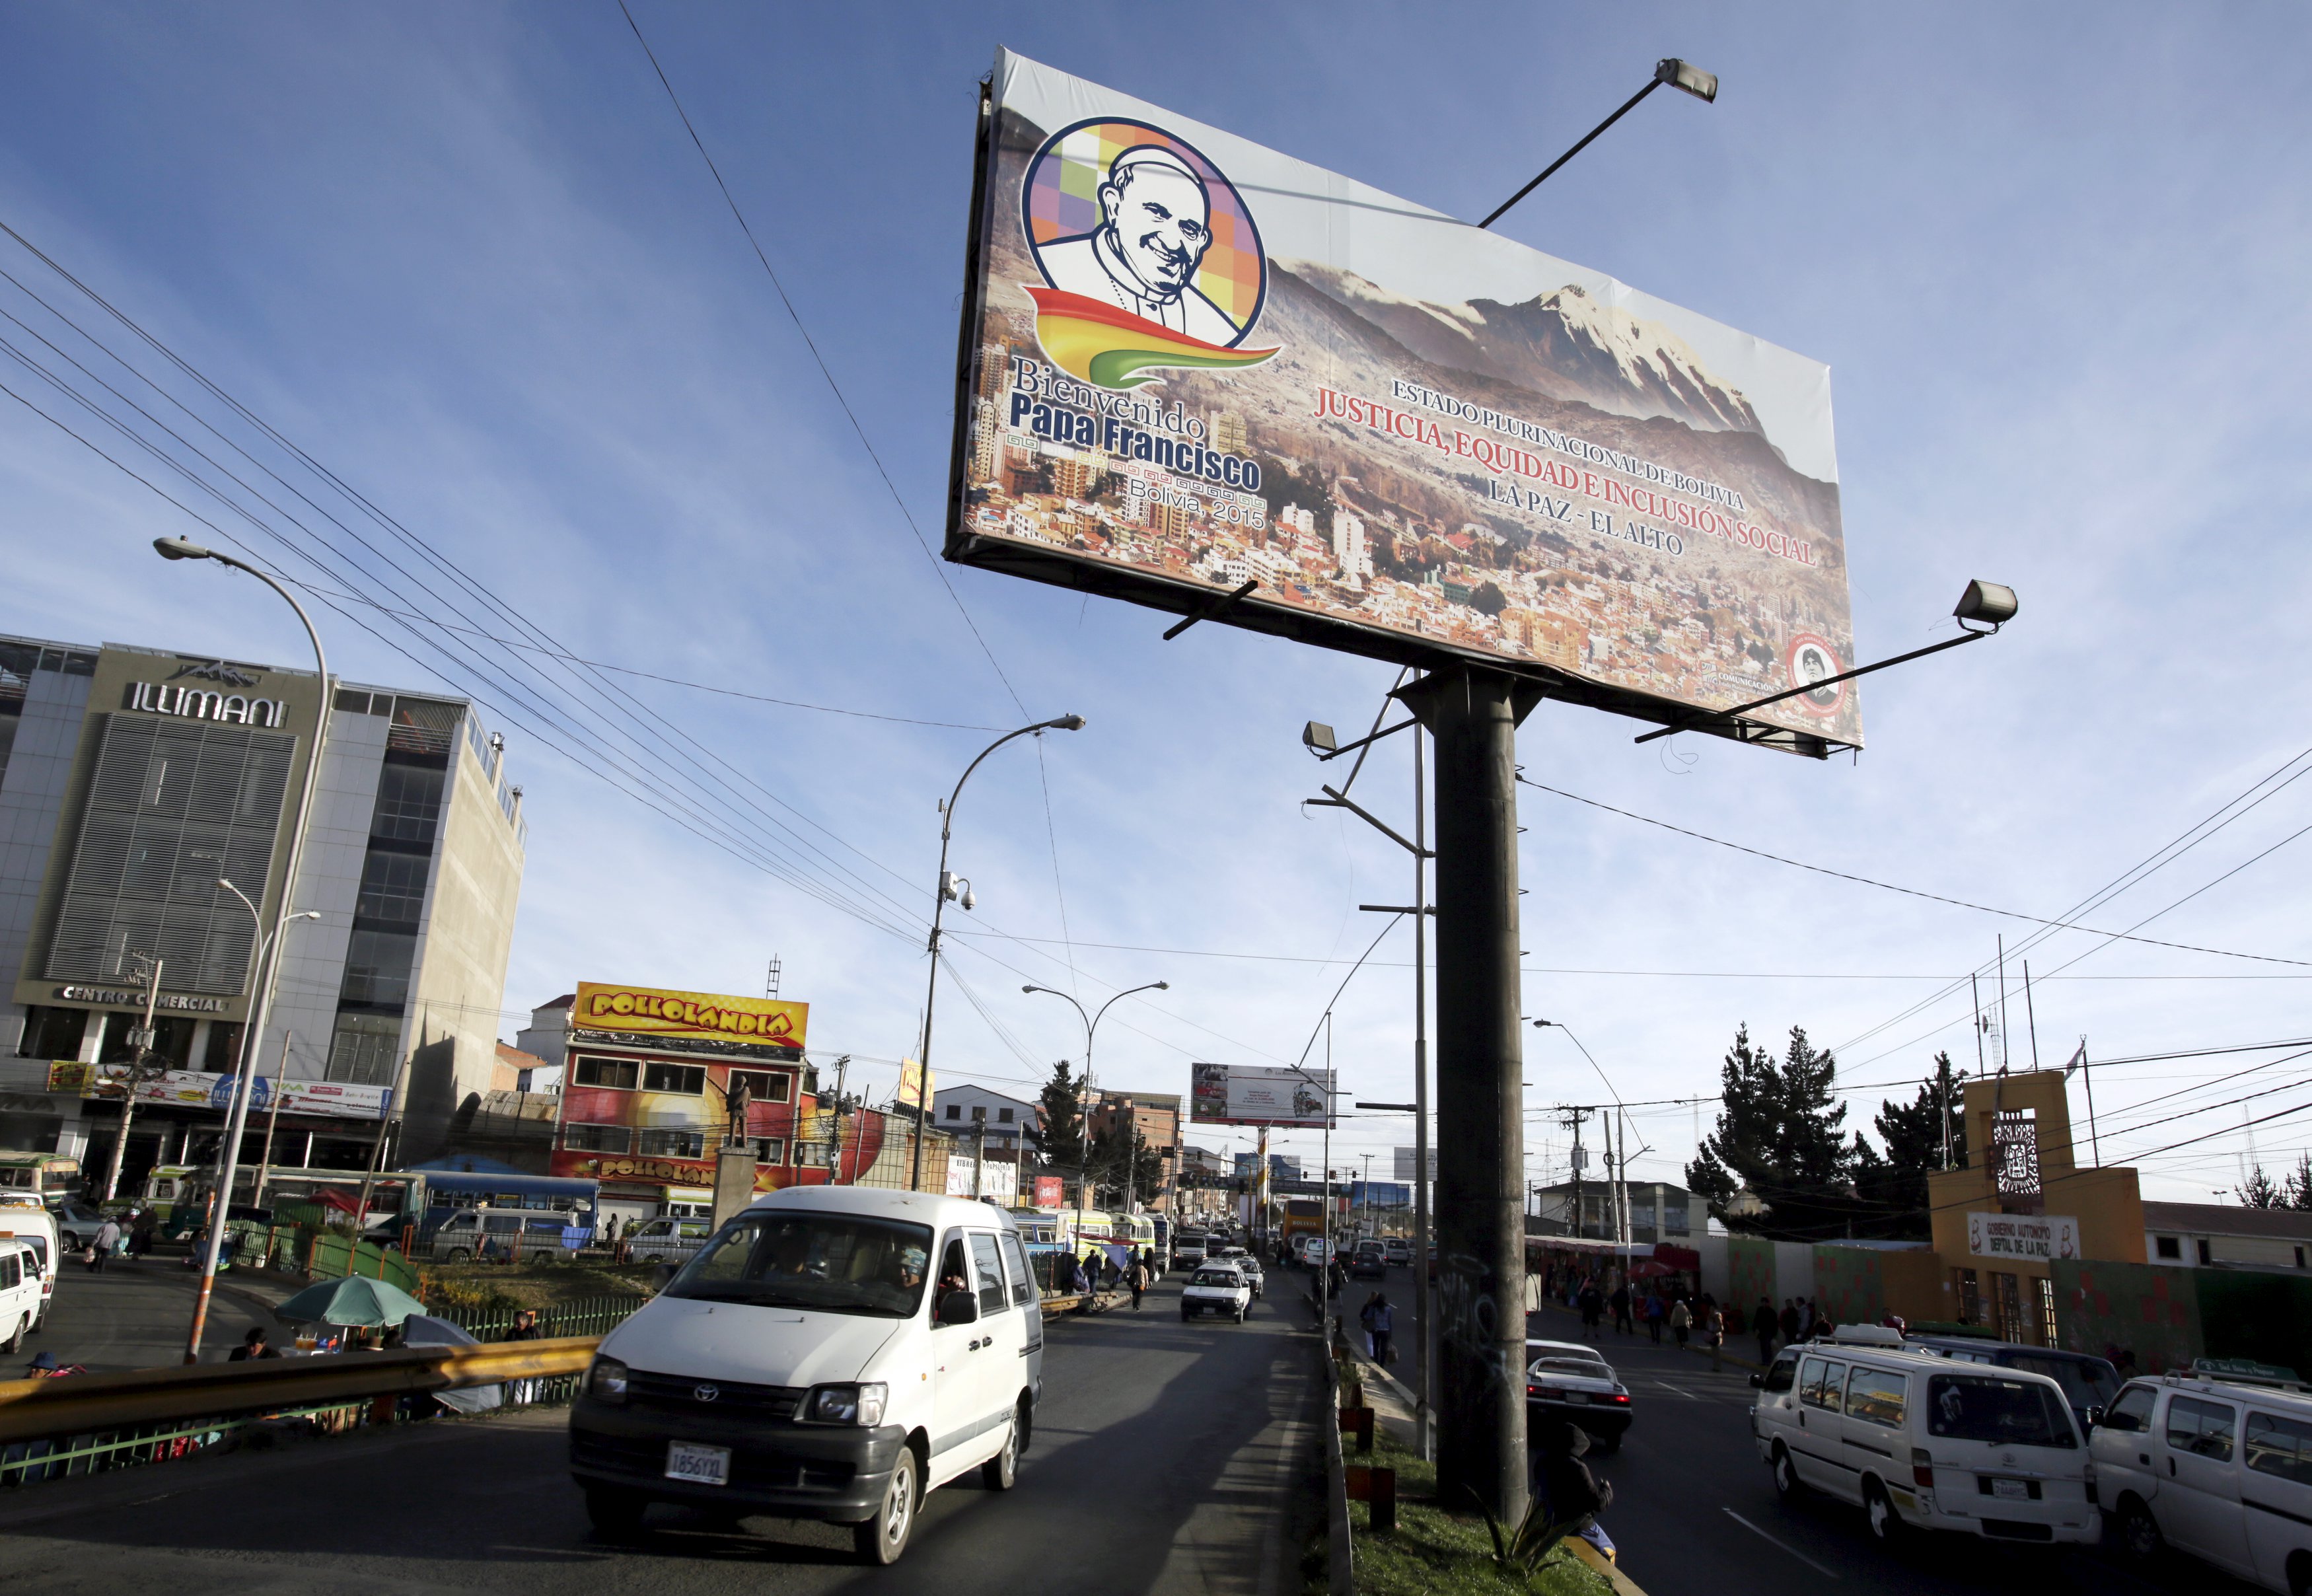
x=1257, y=1094
x=1191, y=363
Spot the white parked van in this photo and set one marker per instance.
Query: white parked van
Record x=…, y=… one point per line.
x=2219, y=1470
x=23, y=1218
x=19, y=1292
x=1920, y=1442
x=833, y=1353
x=670, y=1240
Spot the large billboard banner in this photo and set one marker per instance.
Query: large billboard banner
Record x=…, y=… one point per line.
x=649, y=1014
x=1257, y=1094
x=1192, y=363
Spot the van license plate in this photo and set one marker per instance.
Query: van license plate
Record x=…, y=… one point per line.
x=700, y=1465
x=2011, y=1490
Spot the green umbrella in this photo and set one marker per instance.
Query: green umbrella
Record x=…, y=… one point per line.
x=350, y=1302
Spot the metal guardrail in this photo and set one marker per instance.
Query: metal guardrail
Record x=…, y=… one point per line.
x=88, y=1404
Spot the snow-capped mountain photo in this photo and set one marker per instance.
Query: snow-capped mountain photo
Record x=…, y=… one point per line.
x=1566, y=345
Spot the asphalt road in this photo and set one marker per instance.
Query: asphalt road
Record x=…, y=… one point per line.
x=1165, y=1459
x=136, y=1316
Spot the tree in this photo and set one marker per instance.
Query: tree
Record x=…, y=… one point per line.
x=1058, y=1133
x=1780, y=1133
x=2299, y=1182
x=1913, y=1135
x=1109, y=1158
x=2261, y=1191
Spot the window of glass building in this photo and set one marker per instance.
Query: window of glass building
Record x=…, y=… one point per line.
x=377, y=968
x=392, y=888
x=673, y=1143
x=408, y=803
x=688, y=1080
x=53, y=1034
x=598, y=1138
x=365, y=1050
x=763, y=1086
x=616, y=1073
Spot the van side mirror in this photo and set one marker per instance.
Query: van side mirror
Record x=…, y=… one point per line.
x=1758, y=1382
x=2095, y=1417
x=959, y=1307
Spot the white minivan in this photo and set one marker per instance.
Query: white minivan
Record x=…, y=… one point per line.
x=833, y=1353
x=1918, y=1443
x=2219, y=1470
x=19, y=1292
x=24, y=1219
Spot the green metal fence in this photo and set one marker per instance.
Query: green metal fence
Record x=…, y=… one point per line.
x=588, y=1316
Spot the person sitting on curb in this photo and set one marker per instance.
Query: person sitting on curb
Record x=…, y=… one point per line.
x=1575, y=1495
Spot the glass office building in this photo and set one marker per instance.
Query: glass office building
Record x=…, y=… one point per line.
x=132, y=781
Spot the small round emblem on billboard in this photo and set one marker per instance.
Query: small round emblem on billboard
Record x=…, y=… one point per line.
x=1813, y=661
x=1150, y=258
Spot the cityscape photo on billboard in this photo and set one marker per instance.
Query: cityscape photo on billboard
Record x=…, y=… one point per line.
x=1257, y=1094
x=1192, y=363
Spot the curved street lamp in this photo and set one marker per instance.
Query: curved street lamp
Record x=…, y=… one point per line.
x=270, y=948
x=949, y=887
x=1091, y=1025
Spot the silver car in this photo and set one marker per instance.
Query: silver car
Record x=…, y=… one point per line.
x=1245, y=1265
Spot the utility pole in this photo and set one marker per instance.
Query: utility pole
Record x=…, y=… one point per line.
x=273, y=1119
x=1943, y=1092
x=1474, y=715
x=1421, y=1238
x=135, y=1076
x=1573, y=1118
x=978, y=1158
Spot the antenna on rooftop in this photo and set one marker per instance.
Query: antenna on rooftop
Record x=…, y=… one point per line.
x=771, y=978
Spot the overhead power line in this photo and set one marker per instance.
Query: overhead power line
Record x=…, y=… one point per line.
x=1865, y=881
x=812, y=343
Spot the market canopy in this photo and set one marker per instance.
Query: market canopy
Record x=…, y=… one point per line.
x=352, y=1302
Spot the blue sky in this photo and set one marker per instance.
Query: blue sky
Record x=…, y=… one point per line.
x=469, y=260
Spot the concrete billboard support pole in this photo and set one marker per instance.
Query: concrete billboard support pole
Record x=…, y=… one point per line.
x=1473, y=716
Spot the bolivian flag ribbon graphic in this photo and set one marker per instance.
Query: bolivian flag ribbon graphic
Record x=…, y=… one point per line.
x=1106, y=346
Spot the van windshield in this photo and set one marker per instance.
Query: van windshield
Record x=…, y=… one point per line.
x=829, y=1263
x=2088, y=1385
x=2002, y=1412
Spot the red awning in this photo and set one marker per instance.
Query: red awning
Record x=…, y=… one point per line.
x=1678, y=1257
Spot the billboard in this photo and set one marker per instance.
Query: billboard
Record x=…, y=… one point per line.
x=202, y=1088
x=1257, y=1094
x=2039, y=1238
x=1405, y=1162
x=652, y=1014
x=1191, y=363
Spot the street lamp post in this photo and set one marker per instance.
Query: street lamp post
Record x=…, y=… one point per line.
x=267, y=975
x=1091, y=1027
x=949, y=887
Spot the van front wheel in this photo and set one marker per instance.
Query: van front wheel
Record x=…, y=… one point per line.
x=881, y=1539
x=2138, y=1531
x=1002, y=1471
x=1885, y=1524
x=1788, y=1486
x=458, y=1255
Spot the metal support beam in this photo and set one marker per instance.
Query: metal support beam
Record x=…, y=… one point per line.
x=1473, y=716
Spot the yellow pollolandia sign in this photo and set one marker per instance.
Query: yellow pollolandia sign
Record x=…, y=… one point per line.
x=653, y=1012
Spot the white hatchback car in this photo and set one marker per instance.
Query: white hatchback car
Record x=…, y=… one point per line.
x=1216, y=1288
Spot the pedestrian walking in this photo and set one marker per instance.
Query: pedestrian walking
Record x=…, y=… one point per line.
x=1591, y=1302
x=1714, y=1335
x=1790, y=1320
x=140, y=1232
x=1761, y=1323
x=107, y=1235
x=1681, y=1319
x=1654, y=1314
x=1620, y=1301
x=1080, y=1284
x=1136, y=1277
x=1380, y=1320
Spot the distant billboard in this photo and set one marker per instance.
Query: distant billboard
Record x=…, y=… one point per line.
x=689, y=1019
x=1257, y=1094
x=1192, y=363
x=1405, y=1162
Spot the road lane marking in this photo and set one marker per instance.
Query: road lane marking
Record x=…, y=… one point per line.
x=1681, y=1391
x=1770, y=1540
